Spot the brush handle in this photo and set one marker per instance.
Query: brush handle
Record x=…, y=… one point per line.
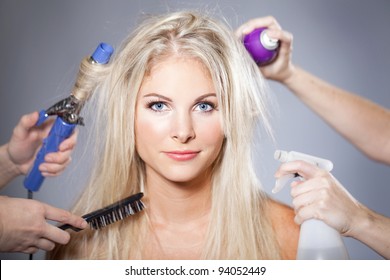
x=58, y=133
x=68, y=226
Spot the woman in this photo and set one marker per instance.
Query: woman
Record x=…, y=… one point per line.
x=178, y=112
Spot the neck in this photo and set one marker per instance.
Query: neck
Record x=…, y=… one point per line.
x=177, y=203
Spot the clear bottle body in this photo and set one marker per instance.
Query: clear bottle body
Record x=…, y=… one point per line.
x=318, y=241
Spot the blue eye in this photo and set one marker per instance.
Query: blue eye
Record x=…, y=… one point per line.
x=157, y=106
x=205, y=107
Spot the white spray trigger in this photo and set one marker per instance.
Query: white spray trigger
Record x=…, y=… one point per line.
x=281, y=182
x=284, y=156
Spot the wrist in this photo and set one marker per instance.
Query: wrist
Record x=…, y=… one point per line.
x=8, y=169
x=293, y=75
x=362, y=222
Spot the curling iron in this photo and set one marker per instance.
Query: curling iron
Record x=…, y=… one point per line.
x=67, y=112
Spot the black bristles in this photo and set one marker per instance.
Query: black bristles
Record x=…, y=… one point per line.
x=112, y=213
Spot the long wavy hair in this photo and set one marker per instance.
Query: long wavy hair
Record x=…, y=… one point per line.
x=240, y=227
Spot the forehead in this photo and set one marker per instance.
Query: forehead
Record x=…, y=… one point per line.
x=178, y=73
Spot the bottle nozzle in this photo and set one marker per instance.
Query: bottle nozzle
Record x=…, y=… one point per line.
x=280, y=155
x=268, y=42
x=284, y=156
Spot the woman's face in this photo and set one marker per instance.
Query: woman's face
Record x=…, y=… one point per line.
x=178, y=125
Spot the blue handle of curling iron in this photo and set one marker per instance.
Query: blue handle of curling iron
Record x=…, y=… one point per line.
x=58, y=133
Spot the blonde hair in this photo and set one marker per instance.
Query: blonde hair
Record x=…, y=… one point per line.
x=241, y=228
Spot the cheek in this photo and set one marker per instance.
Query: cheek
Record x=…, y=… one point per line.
x=211, y=133
x=149, y=131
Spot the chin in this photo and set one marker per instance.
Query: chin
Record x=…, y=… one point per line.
x=184, y=176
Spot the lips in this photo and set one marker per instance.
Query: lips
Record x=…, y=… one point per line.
x=182, y=155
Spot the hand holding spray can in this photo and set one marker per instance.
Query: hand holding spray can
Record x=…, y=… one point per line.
x=67, y=111
x=261, y=47
x=317, y=240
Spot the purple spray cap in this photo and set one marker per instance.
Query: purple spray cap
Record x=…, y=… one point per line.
x=261, y=47
x=102, y=53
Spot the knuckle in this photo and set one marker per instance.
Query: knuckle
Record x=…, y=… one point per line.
x=24, y=119
x=31, y=250
x=295, y=203
x=65, y=217
x=271, y=18
x=300, y=164
x=38, y=209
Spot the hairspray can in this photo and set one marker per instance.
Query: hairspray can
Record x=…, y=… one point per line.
x=261, y=47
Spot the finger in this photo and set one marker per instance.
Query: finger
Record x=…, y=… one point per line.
x=302, y=168
x=29, y=120
x=319, y=189
x=61, y=157
x=53, y=169
x=306, y=213
x=30, y=250
x=64, y=217
x=302, y=199
x=313, y=199
x=69, y=143
x=53, y=234
x=45, y=244
x=268, y=22
x=283, y=36
x=26, y=122
x=302, y=187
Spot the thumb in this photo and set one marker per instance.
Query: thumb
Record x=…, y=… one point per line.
x=27, y=122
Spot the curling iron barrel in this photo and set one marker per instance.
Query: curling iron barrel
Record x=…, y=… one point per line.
x=67, y=111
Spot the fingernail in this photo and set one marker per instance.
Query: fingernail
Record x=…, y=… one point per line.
x=278, y=186
x=271, y=34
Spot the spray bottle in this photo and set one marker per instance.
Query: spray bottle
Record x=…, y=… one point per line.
x=317, y=240
x=67, y=112
x=261, y=47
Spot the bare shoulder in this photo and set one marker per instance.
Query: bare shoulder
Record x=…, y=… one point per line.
x=287, y=231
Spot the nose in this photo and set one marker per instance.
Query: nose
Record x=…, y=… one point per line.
x=182, y=129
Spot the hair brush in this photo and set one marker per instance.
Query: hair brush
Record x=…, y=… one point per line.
x=111, y=213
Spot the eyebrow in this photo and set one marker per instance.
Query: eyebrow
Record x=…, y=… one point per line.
x=157, y=95
x=170, y=100
x=204, y=96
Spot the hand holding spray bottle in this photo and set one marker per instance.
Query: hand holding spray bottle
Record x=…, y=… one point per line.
x=317, y=240
x=67, y=111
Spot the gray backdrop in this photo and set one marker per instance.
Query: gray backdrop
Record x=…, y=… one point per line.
x=344, y=42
